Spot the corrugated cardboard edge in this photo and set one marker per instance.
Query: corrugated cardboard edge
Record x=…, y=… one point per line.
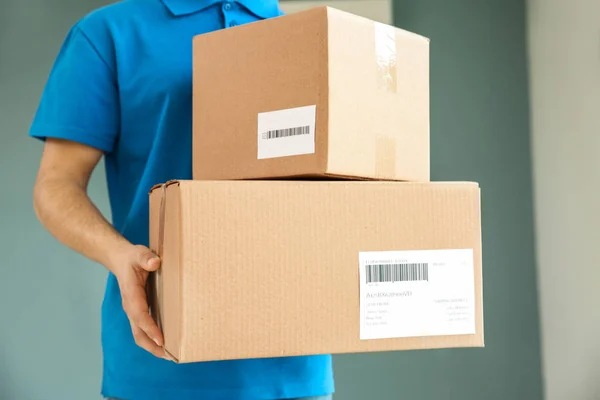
x=152, y=289
x=481, y=313
x=168, y=183
x=324, y=176
x=155, y=279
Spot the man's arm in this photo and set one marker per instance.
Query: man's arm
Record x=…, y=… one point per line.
x=62, y=204
x=64, y=208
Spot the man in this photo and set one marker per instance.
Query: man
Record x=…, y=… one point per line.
x=121, y=87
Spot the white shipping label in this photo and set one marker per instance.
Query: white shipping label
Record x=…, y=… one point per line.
x=285, y=133
x=416, y=293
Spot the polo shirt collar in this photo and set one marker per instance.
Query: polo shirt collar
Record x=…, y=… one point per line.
x=260, y=8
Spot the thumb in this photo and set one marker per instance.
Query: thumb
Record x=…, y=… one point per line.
x=148, y=260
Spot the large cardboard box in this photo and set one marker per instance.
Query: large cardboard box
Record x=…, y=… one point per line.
x=315, y=93
x=285, y=268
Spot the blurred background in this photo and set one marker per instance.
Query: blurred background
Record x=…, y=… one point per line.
x=515, y=97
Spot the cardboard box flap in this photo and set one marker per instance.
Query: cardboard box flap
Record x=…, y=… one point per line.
x=164, y=284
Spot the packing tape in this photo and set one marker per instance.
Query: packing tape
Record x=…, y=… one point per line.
x=385, y=156
x=385, y=56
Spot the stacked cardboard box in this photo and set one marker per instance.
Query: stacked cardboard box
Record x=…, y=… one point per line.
x=311, y=226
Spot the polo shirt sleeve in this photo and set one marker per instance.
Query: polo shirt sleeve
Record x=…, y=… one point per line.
x=80, y=100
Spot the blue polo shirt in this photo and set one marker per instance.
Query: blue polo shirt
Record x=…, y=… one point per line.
x=122, y=83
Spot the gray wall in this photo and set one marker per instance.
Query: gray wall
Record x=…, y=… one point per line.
x=50, y=297
x=565, y=92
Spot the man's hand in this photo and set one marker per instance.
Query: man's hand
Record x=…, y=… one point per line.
x=64, y=208
x=132, y=268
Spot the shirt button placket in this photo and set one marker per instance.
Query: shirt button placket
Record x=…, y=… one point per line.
x=227, y=7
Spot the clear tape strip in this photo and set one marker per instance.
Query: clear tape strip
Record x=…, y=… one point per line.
x=385, y=56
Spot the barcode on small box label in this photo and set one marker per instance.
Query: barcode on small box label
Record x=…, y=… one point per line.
x=377, y=273
x=284, y=133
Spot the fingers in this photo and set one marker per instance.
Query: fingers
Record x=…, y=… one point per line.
x=145, y=322
x=147, y=260
x=146, y=333
x=136, y=307
x=132, y=282
x=143, y=341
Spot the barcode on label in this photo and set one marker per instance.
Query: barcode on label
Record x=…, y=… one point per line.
x=287, y=132
x=397, y=272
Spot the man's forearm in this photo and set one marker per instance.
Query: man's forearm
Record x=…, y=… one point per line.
x=69, y=215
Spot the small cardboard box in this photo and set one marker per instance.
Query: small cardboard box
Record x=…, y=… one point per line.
x=285, y=268
x=319, y=93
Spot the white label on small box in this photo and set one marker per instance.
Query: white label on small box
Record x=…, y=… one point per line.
x=416, y=293
x=285, y=133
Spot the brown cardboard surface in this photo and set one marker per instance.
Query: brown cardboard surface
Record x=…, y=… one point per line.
x=368, y=83
x=271, y=268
